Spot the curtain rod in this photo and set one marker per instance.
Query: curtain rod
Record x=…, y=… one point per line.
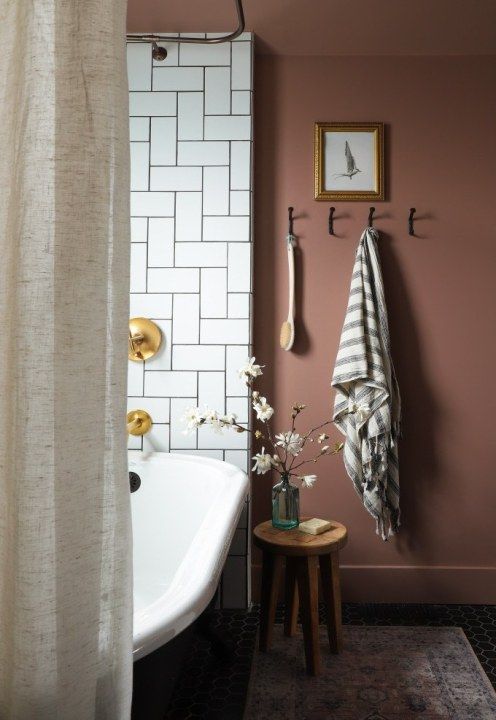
x=142, y=37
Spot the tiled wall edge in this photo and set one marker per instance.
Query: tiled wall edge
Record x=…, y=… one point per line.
x=168, y=281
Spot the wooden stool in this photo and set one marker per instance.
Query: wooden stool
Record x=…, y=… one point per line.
x=304, y=553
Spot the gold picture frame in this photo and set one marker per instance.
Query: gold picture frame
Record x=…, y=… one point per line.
x=339, y=151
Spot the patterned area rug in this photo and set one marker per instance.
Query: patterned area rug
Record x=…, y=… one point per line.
x=383, y=673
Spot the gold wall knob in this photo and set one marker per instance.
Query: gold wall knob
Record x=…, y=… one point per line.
x=139, y=422
x=144, y=339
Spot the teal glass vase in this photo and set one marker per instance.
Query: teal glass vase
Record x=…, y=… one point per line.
x=285, y=504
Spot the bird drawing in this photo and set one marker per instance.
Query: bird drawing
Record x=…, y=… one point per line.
x=351, y=168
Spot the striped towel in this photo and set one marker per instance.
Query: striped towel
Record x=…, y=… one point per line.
x=367, y=407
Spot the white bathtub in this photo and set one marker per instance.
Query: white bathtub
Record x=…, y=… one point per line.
x=184, y=517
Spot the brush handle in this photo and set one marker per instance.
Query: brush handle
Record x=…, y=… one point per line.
x=291, y=280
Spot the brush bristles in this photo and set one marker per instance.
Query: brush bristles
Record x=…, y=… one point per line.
x=285, y=337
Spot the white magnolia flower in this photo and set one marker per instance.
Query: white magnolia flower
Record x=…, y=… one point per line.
x=292, y=442
x=193, y=419
x=308, y=480
x=212, y=418
x=322, y=437
x=263, y=409
x=263, y=462
x=250, y=371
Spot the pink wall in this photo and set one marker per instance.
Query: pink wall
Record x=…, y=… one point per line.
x=440, y=158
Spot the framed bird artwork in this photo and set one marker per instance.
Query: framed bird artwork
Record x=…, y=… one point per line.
x=349, y=161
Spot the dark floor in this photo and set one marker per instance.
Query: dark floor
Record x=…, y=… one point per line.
x=210, y=689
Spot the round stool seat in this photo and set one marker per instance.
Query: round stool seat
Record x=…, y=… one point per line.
x=295, y=543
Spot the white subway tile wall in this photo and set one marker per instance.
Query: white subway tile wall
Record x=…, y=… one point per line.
x=191, y=131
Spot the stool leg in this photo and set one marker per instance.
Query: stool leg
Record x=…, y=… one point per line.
x=290, y=598
x=308, y=586
x=271, y=575
x=331, y=590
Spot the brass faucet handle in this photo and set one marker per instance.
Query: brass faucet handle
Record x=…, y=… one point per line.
x=134, y=342
x=145, y=339
x=139, y=422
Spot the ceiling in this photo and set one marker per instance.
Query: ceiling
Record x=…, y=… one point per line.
x=334, y=27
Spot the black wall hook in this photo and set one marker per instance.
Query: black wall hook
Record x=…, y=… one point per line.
x=331, y=220
x=290, y=220
x=410, y=221
x=371, y=216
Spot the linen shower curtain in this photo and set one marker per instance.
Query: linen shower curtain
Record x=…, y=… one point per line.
x=65, y=537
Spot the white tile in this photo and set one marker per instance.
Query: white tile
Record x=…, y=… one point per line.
x=198, y=357
x=161, y=242
x=240, y=407
x=203, y=54
x=139, y=165
x=175, y=178
x=152, y=103
x=244, y=36
x=178, y=438
x=226, y=229
x=150, y=305
x=238, y=544
x=238, y=305
x=224, y=331
x=139, y=128
x=163, y=141
x=171, y=383
x=216, y=191
x=241, y=102
x=214, y=293
x=190, y=116
x=217, y=91
x=241, y=66
x=139, y=229
x=240, y=166
x=138, y=267
x=186, y=317
x=211, y=391
x=134, y=442
x=240, y=202
x=239, y=268
x=162, y=360
x=236, y=357
x=158, y=408
x=186, y=78
x=243, y=518
x=227, y=127
x=139, y=66
x=172, y=53
x=152, y=204
x=157, y=439
x=203, y=152
x=135, y=378
x=200, y=255
x=238, y=458
x=173, y=280
x=234, y=579
x=229, y=439
x=188, y=217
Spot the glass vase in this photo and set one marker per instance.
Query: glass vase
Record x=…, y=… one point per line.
x=285, y=505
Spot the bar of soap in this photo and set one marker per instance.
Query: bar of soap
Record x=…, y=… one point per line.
x=314, y=526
